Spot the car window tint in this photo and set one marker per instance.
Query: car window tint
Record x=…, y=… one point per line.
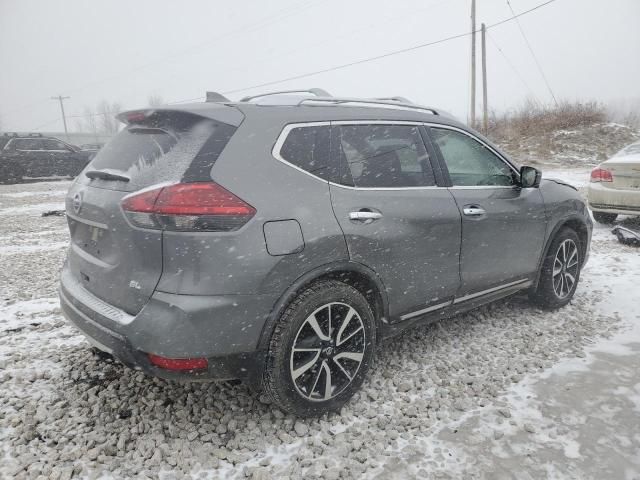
x=53, y=145
x=27, y=144
x=469, y=162
x=308, y=148
x=380, y=156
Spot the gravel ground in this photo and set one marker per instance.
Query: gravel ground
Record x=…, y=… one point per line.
x=449, y=400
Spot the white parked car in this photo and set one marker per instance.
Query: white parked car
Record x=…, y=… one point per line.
x=615, y=185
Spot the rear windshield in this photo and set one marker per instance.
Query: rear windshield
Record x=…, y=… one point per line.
x=159, y=150
x=135, y=146
x=633, y=149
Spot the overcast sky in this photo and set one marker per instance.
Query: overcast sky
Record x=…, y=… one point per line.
x=124, y=51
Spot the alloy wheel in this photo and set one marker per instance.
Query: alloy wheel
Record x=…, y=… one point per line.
x=327, y=351
x=565, y=268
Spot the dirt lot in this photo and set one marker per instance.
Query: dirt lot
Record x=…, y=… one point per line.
x=508, y=391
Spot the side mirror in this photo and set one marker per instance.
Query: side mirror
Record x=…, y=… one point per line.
x=530, y=177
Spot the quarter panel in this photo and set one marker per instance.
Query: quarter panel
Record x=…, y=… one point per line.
x=238, y=262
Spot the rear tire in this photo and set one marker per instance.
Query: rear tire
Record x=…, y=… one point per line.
x=604, y=218
x=320, y=350
x=560, y=271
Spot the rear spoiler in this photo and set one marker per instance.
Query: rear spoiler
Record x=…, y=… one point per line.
x=215, y=111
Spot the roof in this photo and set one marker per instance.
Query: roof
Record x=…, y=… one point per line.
x=305, y=106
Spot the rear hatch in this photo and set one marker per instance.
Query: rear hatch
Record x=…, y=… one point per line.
x=117, y=262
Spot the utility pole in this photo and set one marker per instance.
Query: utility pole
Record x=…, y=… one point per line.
x=485, y=111
x=60, y=98
x=473, y=63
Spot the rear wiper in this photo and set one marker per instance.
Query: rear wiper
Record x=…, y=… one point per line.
x=106, y=175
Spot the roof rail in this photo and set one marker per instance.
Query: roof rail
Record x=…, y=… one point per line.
x=318, y=92
x=29, y=134
x=378, y=102
x=396, y=99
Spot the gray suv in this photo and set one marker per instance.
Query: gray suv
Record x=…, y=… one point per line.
x=281, y=238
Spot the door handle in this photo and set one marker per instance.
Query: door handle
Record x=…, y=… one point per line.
x=365, y=216
x=473, y=210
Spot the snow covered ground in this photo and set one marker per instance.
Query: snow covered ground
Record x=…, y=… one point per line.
x=507, y=391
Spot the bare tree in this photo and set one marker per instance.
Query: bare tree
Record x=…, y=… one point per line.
x=100, y=120
x=106, y=117
x=155, y=100
x=90, y=122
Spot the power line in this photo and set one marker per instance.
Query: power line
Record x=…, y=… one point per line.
x=281, y=15
x=273, y=20
x=512, y=66
x=385, y=55
x=350, y=64
x=356, y=62
x=266, y=21
x=535, y=59
x=323, y=41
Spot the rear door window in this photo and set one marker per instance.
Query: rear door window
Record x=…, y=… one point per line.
x=384, y=156
x=307, y=147
x=50, y=144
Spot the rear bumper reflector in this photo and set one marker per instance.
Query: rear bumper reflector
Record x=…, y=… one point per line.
x=178, y=364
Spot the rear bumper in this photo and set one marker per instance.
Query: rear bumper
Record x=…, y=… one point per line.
x=223, y=329
x=619, y=209
x=613, y=200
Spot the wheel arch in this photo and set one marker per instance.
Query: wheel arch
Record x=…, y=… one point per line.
x=575, y=223
x=359, y=276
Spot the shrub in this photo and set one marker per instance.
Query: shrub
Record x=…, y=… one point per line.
x=532, y=118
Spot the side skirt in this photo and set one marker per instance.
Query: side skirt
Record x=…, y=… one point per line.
x=452, y=308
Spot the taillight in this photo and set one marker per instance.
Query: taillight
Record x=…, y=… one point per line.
x=178, y=364
x=601, y=175
x=204, y=206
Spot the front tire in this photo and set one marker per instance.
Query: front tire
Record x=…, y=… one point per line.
x=560, y=271
x=320, y=350
x=604, y=218
x=12, y=174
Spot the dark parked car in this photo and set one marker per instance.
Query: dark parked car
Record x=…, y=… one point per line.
x=33, y=155
x=280, y=239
